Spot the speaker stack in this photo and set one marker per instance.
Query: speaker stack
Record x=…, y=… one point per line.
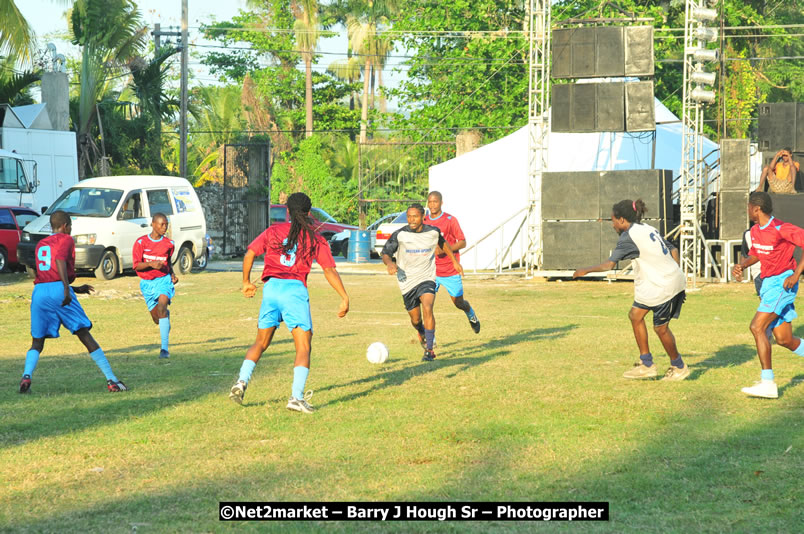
x=734, y=188
x=576, y=210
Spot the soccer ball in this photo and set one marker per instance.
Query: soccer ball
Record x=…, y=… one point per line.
x=377, y=352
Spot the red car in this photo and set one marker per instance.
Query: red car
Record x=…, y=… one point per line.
x=12, y=220
x=325, y=224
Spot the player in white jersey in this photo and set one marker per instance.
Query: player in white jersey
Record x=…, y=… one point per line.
x=659, y=286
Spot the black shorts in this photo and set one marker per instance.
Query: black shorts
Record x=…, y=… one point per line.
x=412, y=298
x=665, y=311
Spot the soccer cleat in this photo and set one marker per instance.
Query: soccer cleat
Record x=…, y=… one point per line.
x=422, y=341
x=115, y=387
x=474, y=322
x=163, y=354
x=301, y=405
x=238, y=392
x=766, y=389
x=676, y=374
x=25, y=384
x=429, y=355
x=640, y=371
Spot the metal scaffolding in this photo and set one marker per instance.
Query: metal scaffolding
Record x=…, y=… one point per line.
x=538, y=125
x=697, y=91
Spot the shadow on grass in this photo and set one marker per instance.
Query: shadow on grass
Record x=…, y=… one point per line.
x=730, y=356
x=492, y=349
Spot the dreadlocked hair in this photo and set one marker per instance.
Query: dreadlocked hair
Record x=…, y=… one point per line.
x=301, y=228
x=630, y=210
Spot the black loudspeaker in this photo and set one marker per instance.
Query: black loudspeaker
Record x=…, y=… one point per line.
x=570, y=244
x=602, y=51
x=639, y=51
x=603, y=107
x=789, y=208
x=570, y=196
x=734, y=164
x=781, y=125
x=733, y=214
x=640, y=109
x=653, y=186
x=590, y=195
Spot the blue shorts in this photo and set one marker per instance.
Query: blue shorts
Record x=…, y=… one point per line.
x=285, y=300
x=774, y=298
x=47, y=313
x=453, y=283
x=151, y=289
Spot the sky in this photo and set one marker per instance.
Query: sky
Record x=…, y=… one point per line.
x=47, y=17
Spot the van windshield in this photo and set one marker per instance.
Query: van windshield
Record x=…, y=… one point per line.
x=88, y=201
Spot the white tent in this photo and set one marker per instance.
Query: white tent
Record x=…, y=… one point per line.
x=489, y=185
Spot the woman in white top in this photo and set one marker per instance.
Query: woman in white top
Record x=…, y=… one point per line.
x=659, y=286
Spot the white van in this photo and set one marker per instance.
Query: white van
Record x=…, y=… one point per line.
x=110, y=213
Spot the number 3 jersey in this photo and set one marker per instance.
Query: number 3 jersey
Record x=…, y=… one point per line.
x=50, y=249
x=294, y=265
x=658, y=278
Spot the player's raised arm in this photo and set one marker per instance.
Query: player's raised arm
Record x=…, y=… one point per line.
x=249, y=289
x=603, y=267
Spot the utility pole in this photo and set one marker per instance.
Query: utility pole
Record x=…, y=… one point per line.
x=183, y=117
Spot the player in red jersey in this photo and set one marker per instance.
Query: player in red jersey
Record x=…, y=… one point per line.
x=152, y=253
x=446, y=275
x=54, y=302
x=772, y=244
x=289, y=250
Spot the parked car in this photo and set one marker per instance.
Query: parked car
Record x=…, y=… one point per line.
x=12, y=220
x=385, y=230
x=339, y=244
x=111, y=212
x=325, y=224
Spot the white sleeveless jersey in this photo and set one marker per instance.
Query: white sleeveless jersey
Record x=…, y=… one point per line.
x=658, y=278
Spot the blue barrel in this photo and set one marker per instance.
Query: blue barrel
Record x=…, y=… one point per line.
x=359, y=247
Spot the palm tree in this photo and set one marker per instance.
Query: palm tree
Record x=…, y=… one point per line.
x=110, y=32
x=217, y=115
x=16, y=35
x=347, y=70
x=308, y=30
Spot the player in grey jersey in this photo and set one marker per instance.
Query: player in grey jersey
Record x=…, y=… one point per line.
x=415, y=247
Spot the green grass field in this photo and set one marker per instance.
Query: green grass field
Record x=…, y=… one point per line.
x=532, y=409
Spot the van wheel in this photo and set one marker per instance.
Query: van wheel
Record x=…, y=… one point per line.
x=108, y=266
x=201, y=262
x=345, y=248
x=185, y=260
x=3, y=260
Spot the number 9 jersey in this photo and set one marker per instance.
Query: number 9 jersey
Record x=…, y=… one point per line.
x=294, y=265
x=50, y=249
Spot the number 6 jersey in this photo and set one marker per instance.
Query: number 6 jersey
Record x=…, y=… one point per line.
x=293, y=265
x=657, y=276
x=52, y=248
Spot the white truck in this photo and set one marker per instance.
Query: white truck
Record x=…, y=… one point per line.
x=36, y=166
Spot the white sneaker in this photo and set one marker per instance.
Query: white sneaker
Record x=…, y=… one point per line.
x=301, y=405
x=766, y=389
x=238, y=391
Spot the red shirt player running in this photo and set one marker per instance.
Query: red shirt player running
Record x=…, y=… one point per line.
x=289, y=250
x=446, y=275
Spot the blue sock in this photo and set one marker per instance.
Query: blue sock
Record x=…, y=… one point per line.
x=471, y=313
x=767, y=374
x=31, y=359
x=103, y=363
x=800, y=349
x=246, y=369
x=299, y=379
x=678, y=362
x=164, y=331
x=647, y=359
x=429, y=337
